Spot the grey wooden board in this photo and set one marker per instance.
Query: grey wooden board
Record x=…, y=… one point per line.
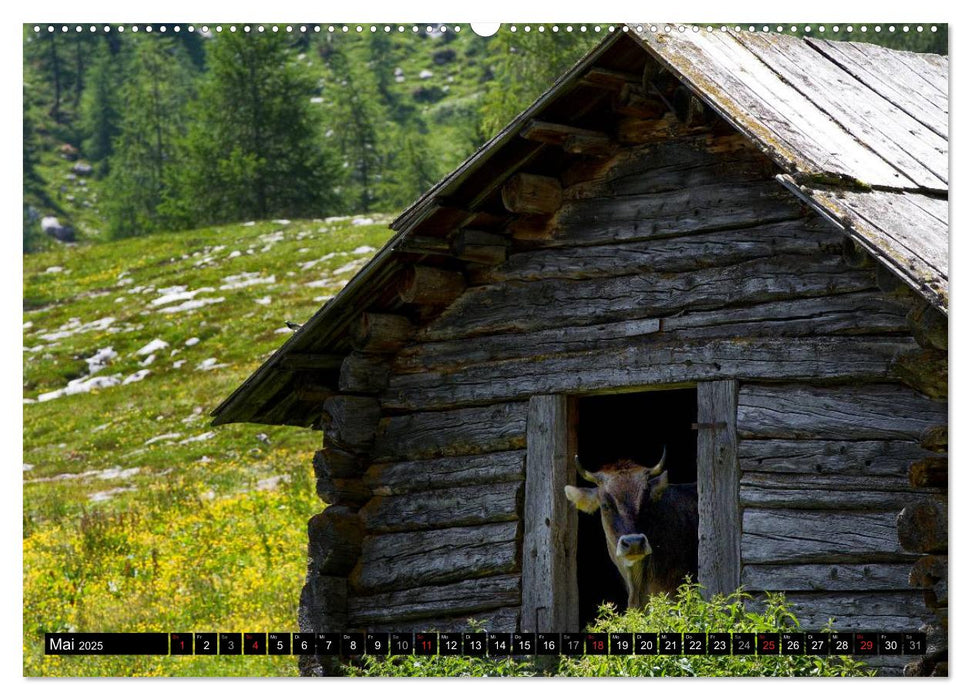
x=550, y=597
x=444, y=433
x=879, y=611
x=823, y=457
x=642, y=365
x=389, y=479
x=397, y=561
x=906, y=232
x=783, y=536
x=843, y=413
x=902, y=141
x=753, y=97
x=454, y=599
x=910, y=92
x=826, y=577
x=463, y=505
x=494, y=620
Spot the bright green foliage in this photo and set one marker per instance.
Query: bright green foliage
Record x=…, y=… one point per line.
x=254, y=148
x=687, y=611
x=155, y=93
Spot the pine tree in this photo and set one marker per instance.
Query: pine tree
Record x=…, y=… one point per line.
x=141, y=170
x=100, y=113
x=253, y=150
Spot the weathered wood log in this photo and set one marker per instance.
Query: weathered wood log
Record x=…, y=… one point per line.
x=431, y=286
x=344, y=492
x=842, y=413
x=452, y=600
x=674, y=211
x=592, y=145
x=635, y=130
x=525, y=193
x=334, y=538
x=678, y=254
x=889, y=458
x=424, y=245
x=929, y=326
x=448, y=433
x=930, y=573
x=827, y=491
x=318, y=361
x=550, y=132
x=826, y=577
x=631, y=101
x=364, y=374
x=929, y=471
x=336, y=463
x=480, y=247
x=498, y=620
x=934, y=438
x=924, y=370
x=886, y=611
x=549, y=581
x=607, y=78
x=808, y=537
x=381, y=334
x=463, y=505
x=548, y=303
x=657, y=363
x=393, y=479
x=530, y=227
x=350, y=422
x=854, y=255
x=413, y=559
x=323, y=604
x=719, y=521
x=922, y=527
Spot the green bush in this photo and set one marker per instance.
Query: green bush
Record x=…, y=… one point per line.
x=688, y=611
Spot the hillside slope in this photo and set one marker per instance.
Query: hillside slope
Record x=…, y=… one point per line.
x=138, y=515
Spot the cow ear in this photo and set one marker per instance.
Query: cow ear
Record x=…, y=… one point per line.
x=658, y=485
x=586, y=500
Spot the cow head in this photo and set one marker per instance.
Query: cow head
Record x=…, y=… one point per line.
x=624, y=493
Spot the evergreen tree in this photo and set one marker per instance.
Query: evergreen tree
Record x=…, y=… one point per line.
x=100, y=114
x=253, y=150
x=153, y=119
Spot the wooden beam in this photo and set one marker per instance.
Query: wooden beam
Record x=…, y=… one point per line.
x=929, y=326
x=364, y=374
x=550, y=595
x=298, y=361
x=480, y=247
x=430, y=286
x=720, y=522
x=424, y=245
x=334, y=538
x=530, y=227
x=934, y=438
x=608, y=79
x=336, y=491
x=525, y=193
x=632, y=102
x=350, y=422
x=398, y=478
x=381, y=333
x=924, y=370
x=549, y=132
x=929, y=471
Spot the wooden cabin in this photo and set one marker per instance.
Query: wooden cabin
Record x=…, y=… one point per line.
x=729, y=245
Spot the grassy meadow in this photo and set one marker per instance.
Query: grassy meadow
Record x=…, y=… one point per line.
x=138, y=514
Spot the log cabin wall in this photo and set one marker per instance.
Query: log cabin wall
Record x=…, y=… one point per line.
x=683, y=261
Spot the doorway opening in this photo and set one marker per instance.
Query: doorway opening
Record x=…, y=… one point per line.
x=637, y=426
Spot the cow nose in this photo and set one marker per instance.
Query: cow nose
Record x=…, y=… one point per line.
x=633, y=545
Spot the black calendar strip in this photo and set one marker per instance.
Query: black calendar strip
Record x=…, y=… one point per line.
x=492, y=644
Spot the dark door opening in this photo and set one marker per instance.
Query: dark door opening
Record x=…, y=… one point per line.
x=632, y=426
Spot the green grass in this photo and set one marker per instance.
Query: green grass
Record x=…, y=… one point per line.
x=189, y=532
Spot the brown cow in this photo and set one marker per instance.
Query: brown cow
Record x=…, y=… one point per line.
x=651, y=526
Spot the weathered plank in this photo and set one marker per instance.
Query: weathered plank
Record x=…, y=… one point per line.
x=793, y=537
x=464, y=505
x=827, y=492
x=447, y=433
x=334, y=540
x=645, y=364
x=451, y=600
x=822, y=457
x=708, y=207
x=676, y=254
x=413, y=559
x=719, y=522
x=497, y=620
x=549, y=303
x=550, y=597
x=390, y=479
x=826, y=577
x=847, y=412
x=883, y=611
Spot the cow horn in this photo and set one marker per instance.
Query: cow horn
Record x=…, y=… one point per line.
x=660, y=465
x=583, y=472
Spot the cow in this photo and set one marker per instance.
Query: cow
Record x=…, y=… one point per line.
x=651, y=526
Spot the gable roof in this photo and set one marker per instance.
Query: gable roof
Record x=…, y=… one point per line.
x=859, y=132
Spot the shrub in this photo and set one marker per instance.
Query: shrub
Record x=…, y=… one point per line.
x=687, y=611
